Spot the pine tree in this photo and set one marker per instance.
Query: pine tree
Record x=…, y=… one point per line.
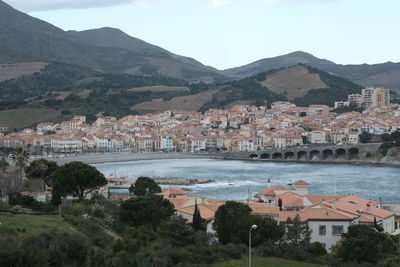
x=197, y=220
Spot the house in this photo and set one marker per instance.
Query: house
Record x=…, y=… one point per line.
x=185, y=206
x=326, y=224
x=116, y=181
x=44, y=196
x=169, y=192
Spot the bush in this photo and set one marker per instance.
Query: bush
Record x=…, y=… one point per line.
x=30, y=203
x=24, y=201
x=316, y=249
x=390, y=262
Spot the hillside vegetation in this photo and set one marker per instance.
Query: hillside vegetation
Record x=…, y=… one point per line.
x=71, y=89
x=75, y=90
x=300, y=84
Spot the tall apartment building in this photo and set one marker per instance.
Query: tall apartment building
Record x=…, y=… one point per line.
x=355, y=100
x=376, y=97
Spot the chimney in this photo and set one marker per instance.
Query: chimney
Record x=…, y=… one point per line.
x=334, y=203
x=369, y=207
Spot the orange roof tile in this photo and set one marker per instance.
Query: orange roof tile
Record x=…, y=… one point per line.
x=270, y=191
x=300, y=182
x=316, y=214
x=173, y=191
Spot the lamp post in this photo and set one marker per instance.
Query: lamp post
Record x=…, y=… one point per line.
x=253, y=227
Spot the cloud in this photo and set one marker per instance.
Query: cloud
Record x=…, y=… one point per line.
x=41, y=5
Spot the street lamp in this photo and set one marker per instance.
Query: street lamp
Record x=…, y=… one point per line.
x=253, y=227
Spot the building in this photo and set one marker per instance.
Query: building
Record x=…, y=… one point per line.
x=341, y=104
x=3, y=128
x=326, y=224
x=282, y=105
x=376, y=97
x=318, y=110
x=355, y=100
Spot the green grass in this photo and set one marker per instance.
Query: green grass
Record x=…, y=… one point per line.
x=27, y=224
x=263, y=262
x=26, y=117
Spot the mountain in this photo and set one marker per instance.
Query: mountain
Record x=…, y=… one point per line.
x=106, y=49
x=301, y=84
x=385, y=74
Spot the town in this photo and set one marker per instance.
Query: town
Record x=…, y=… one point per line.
x=237, y=128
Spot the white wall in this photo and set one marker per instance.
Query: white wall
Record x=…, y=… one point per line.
x=328, y=239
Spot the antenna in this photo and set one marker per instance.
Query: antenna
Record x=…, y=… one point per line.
x=248, y=195
x=334, y=187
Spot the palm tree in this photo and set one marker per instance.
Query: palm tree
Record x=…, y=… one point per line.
x=20, y=159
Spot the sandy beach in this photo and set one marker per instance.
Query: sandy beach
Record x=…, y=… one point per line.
x=120, y=157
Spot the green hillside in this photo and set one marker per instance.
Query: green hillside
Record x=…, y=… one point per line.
x=71, y=89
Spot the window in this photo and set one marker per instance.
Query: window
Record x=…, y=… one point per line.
x=322, y=230
x=337, y=229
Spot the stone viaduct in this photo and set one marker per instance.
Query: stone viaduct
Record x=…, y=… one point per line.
x=309, y=153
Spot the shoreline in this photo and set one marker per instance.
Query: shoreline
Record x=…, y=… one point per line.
x=126, y=157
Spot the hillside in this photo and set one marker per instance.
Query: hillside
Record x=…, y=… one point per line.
x=385, y=74
x=300, y=84
x=105, y=49
x=70, y=89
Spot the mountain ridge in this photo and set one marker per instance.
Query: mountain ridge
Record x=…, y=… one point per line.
x=356, y=73
x=45, y=42
x=24, y=38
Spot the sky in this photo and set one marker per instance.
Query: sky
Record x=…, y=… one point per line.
x=231, y=33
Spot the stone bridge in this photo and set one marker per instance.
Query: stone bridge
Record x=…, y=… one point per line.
x=309, y=153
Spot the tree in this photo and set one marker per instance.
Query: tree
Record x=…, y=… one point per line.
x=77, y=179
x=365, y=137
x=280, y=204
x=377, y=227
x=362, y=243
x=231, y=222
x=390, y=262
x=43, y=170
x=297, y=233
x=198, y=223
x=20, y=158
x=3, y=165
x=177, y=231
x=267, y=230
x=144, y=186
x=145, y=210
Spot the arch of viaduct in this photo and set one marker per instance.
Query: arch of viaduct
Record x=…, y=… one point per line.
x=311, y=153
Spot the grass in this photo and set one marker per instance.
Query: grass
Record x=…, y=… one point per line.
x=263, y=262
x=26, y=117
x=27, y=224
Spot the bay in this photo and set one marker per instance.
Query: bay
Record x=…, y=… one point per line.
x=236, y=180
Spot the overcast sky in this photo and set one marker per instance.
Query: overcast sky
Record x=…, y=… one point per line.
x=230, y=33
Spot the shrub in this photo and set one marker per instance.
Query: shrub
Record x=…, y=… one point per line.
x=390, y=262
x=316, y=249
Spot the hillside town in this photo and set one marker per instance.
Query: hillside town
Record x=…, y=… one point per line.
x=237, y=128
